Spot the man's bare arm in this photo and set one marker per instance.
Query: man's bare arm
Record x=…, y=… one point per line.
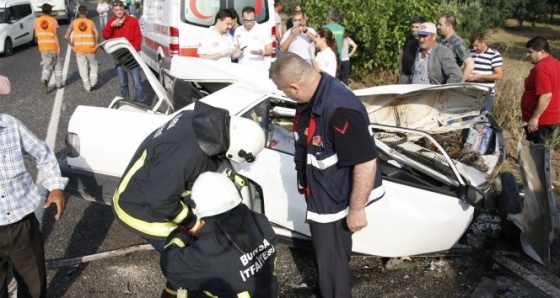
x=362, y=185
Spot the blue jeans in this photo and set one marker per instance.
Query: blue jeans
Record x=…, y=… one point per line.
x=102, y=21
x=137, y=79
x=488, y=104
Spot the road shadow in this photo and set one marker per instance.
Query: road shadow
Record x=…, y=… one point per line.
x=86, y=239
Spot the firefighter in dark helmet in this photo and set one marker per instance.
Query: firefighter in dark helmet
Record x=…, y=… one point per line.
x=151, y=199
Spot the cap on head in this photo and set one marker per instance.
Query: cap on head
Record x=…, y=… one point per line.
x=46, y=8
x=246, y=139
x=82, y=10
x=427, y=28
x=213, y=194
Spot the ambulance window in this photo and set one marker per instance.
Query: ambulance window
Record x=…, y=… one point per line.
x=203, y=12
x=261, y=8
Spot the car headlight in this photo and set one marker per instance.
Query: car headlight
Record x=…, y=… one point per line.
x=73, y=144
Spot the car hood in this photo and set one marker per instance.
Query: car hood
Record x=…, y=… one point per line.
x=127, y=57
x=204, y=70
x=422, y=107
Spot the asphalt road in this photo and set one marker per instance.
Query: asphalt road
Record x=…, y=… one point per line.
x=88, y=228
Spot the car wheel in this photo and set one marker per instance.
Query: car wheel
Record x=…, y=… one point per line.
x=509, y=202
x=8, y=47
x=34, y=39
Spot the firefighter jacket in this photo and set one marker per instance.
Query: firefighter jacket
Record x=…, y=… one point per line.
x=84, y=37
x=45, y=32
x=150, y=197
x=233, y=255
x=327, y=185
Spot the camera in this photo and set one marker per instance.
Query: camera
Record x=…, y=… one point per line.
x=296, y=24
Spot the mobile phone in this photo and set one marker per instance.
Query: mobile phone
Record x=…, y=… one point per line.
x=243, y=48
x=296, y=24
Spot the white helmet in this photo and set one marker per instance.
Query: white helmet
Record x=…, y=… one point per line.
x=246, y=139
x=214, y=193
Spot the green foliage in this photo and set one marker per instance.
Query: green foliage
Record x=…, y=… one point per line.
x=379, y=27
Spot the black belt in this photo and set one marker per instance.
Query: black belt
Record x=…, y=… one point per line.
x=27, y=217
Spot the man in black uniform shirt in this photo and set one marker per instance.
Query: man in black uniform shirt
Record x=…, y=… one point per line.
x=336, y=163
x=408, y=52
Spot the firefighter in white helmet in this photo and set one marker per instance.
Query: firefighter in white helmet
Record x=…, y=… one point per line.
x=151, y=199
x=233, y=252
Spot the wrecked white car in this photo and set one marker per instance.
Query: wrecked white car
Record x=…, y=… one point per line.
x=440, y=158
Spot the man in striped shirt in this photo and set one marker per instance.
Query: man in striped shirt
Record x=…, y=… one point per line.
x=487, y=67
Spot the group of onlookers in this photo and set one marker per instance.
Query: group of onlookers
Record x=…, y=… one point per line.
x=326, y=49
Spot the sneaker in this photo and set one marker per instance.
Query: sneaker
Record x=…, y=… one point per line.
x=45, y=86
x=93, y=86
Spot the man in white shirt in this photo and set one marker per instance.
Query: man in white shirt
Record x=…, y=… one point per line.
x=298, y=38
x=251, y=40
x=218, y=44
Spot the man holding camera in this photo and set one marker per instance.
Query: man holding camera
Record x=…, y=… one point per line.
x=298, y=38
x=123, y=25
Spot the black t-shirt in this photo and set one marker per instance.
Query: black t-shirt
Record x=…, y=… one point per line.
x=352, y=141
x=409, y=54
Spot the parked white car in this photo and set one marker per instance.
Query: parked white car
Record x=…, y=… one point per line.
x=17, y=23
x=439, y=156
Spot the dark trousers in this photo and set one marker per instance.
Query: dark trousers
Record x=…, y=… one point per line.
x=345, y=71
x=22, y=244
x=332, y=245
x=542, y=135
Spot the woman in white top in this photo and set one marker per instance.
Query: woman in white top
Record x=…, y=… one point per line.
x=102, y=9
x=327, y=59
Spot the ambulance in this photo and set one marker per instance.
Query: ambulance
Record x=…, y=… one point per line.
x=174, y=27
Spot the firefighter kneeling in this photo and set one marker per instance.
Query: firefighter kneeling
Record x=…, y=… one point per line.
x=231, y=255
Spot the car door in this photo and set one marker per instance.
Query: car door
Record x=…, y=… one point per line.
x=26, y=23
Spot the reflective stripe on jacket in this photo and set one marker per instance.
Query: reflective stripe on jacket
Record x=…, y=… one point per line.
x=45, y=32
x=83, y=35
x=149, y=198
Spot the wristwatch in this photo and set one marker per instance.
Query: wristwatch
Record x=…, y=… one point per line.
x=305, y=30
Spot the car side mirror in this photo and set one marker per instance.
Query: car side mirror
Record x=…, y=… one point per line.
x=13, y=19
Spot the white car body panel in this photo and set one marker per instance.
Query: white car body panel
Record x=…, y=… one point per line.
x=409, y=219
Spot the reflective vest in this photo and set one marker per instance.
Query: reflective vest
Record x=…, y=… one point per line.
x=84, y=38
x=44, y=30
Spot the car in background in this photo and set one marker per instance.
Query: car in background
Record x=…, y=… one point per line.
x=60, y=10
x=17, y=25
x=439, y=156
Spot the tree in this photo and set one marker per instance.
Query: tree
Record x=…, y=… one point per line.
x=378, y=26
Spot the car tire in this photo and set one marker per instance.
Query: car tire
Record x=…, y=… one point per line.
x=509, y=202
x=8, y=47
x=33, y=40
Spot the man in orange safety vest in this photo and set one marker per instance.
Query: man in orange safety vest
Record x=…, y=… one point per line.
x=83, y=36
x=46, y=32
